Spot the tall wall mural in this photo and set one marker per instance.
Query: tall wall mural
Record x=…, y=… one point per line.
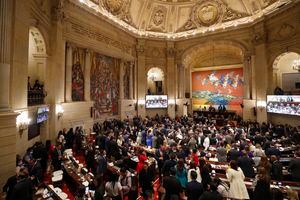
x=126, y=79
x=105, y=84
x=218, y=87
x=77, y=74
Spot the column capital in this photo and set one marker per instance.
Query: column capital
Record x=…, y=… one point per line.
x=87, y=51
x=171, y=52
x=69, y=45
x=180, y=65
x=140, y=49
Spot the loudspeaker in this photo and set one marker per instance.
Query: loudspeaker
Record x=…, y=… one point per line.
x=254, y=111
x=187, y=95
x=176, y=107
x=91, y=112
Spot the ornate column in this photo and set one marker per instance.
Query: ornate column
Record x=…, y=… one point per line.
x=141, y=78
x=69, y=62
x=5, y=49
x=131, y=80
x=181, y=81
x=87, y=75
x=252, y=78
x=8, y=131
x=171, y=74
x=246, y=72
x=121, y=84
x=261, y=71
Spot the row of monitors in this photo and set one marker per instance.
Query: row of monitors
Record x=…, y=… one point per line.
x=284, y=104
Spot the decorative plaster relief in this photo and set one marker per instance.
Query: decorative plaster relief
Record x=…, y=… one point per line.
x=286, y=31
x=282, y=32
x=95, y=35
x=208, y=13
x=119, y=8
x=158, y=19
x=58, y=12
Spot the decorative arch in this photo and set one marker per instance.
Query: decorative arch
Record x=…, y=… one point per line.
x=235, y=52
x=38, y=40
x=155, y=80
x=276, y=71
x=37, y=66
x=158, y=71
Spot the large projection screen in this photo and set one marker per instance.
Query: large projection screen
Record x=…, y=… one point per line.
x=284, y=104
x=156, y=101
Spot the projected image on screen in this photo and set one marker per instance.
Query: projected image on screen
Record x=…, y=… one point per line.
x=156, y=101
x=283, y=104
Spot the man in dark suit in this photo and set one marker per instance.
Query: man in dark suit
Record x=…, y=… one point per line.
x=246, y=164
x=294, y=167
x=23, y=188
x=36, y=172
x=272, y=150
x=211, y=194
x=169, y=164
x=221, y=153
x=10, y=184
x=276, y=169
x=194, y=189
x=57, y=157
x=233, y=154
x=172, y=186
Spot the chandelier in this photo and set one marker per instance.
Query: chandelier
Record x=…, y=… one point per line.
x=296, y=64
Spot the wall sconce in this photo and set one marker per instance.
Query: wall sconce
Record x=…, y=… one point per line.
x=23, y=121
x=59, y=110
x=141, y=103
x=261, y=105
x=171, y=102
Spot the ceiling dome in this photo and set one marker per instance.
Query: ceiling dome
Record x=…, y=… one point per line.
x=181, y=18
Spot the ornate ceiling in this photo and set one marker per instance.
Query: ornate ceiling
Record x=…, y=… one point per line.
x=175, y=19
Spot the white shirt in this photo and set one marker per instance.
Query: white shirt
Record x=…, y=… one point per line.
x=206, y=143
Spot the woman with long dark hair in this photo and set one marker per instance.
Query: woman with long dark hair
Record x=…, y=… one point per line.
x=262, y=185
x=113, y=188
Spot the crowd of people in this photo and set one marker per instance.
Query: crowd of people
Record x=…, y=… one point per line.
x=173, y=155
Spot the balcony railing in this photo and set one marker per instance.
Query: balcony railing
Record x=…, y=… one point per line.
x=36, y=96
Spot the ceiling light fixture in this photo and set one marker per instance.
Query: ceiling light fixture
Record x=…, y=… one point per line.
x=296, y=64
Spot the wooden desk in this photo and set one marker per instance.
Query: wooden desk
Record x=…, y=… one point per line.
x=274, y=184
x=76, y=177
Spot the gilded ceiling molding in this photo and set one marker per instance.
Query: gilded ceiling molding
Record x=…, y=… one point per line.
x=119, y=8
x=206, y=16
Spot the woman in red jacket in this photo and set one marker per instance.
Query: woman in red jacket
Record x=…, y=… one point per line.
x=142, y=159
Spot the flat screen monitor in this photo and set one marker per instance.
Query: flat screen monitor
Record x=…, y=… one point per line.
x=42, y=114
x=284, y=104
x=156, y=101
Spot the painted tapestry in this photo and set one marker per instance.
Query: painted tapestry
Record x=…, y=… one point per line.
x=126, y=79
x=218, y=87
x=78, y=75
x=105, y=73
